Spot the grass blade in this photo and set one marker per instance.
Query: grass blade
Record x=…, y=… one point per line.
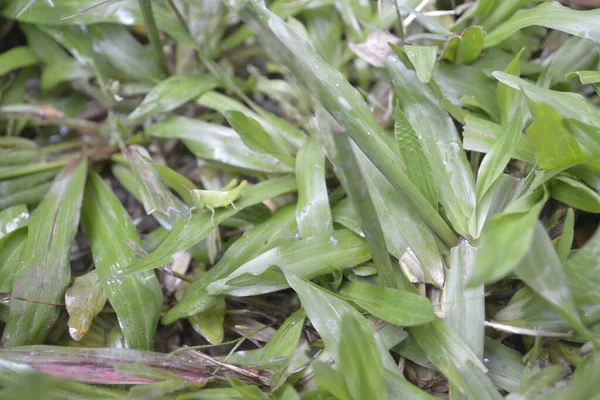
x=585, y=24
x=345, y=104
x=423, y=59
x=499, y=252
x=84, y=300
x=441, y=143
x=307, y=258
x=46, y=253
x=395, y=306
x=278, y=229
x=582, y=271
x=113, y=240
x=312, y=210
x=172, y=93
x=188, y=231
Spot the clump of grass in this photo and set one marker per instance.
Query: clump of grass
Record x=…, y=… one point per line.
x=416, y=215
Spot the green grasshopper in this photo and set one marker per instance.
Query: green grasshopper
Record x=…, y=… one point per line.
x=212, y=199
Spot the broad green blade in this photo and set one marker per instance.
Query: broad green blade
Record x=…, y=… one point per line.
x=585, y=24
x=359, y=360
x=43, y=46
x=46, y=253
x=326, y=312
x=509, y=99
x=15, y=58
x=582, y=271
x=344, y=103
x=542, y=270
x=188, y=231
x=216, y=143
x=466, y=48
x=568, y=104
x=122, y=50
x=156, y=197
x=481, y=135
x=553, y=145
x=575, y=194
x=586, y=77
x=285, y=340
x=84, y=300
x=312, y=210
x=256, y=137
x=505, y=365
x=278, y=229
x=113, y=239
x=506, y=238
x=343, y=156
x=563, y=247
x=11, y=219
x=441, y=143
x=11, y=248
x=171, y=93
x=417, y=167
x=453, y=357
x=209, y=323
x=423, y=59
x=464, y=306
x=496, y=160
x=308, y=258
x=395, y=306
x=125, y=12
x=585, y=383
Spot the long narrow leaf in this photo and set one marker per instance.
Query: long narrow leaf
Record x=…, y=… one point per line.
x=45, y=272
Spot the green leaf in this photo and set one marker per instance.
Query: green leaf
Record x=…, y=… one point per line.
x=64, y=71
x=216, y=143
x=467, y=47
x=155, y=196
x=278, y=229
x=114, y=241
x=563, y=247
x=125, y=12
x=441, y=143
x=359, y=360
x=568, y=104
x=11, y=248
x=344, y=103
x=285, y=340
x=553, y=144
x=343, y=156
x=509, y=98
x=586, y=77
x=505, y=365
x=172, y=93
x=454, y=359
x=465, y=306
x=209, y=323
x=256, y=137
x=496, y=160
x=481, y=135
x=575, y=194
x=582, y=271
x=15, y=58
x=307, y=258
x=506, y=238
x=542, y=270
x=423, y=59
x=188, y=231
x=326, y=313
x=418, y=168
x=585, y=24
x=11, y=219
x=52, y=228
x=313, y=214
x=574, y=53
x=84, y=300
x=395, y=306
x=117, y=45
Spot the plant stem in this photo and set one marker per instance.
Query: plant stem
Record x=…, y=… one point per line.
x=153, y=37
